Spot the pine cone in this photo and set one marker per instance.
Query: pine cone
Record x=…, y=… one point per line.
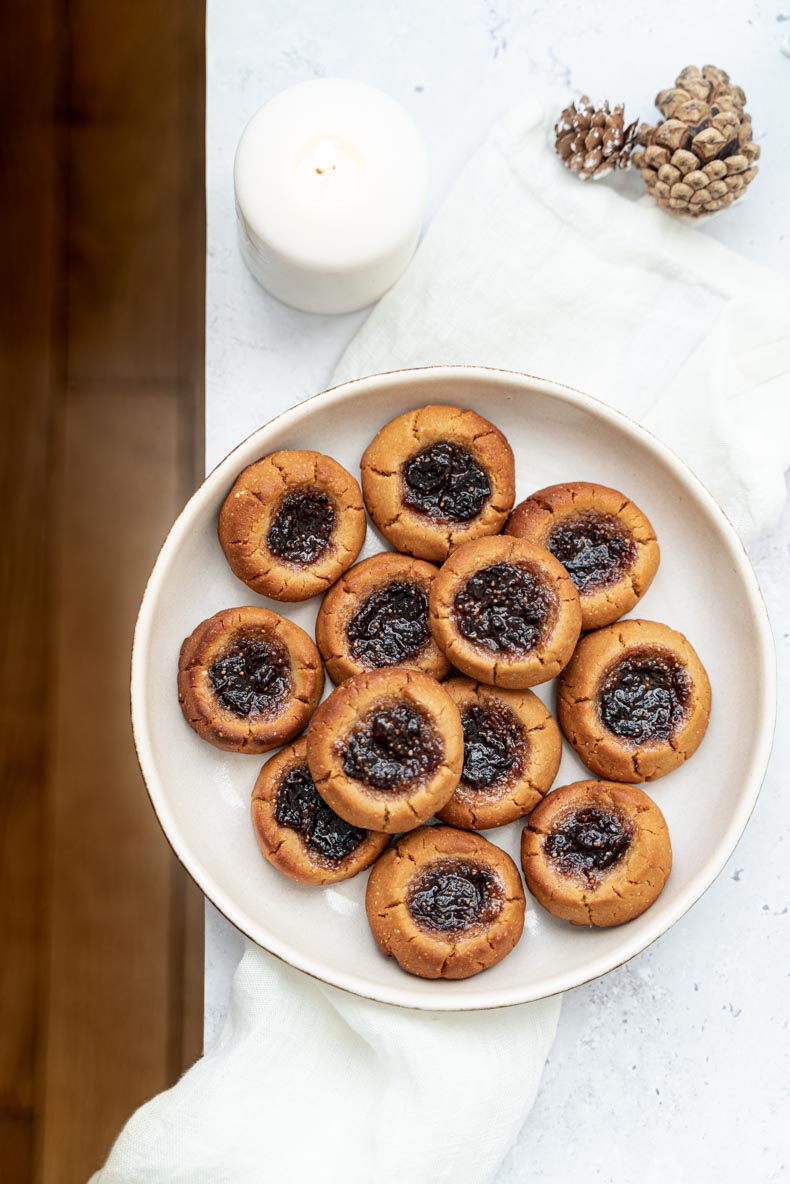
x=700, y=158
x=593, y=141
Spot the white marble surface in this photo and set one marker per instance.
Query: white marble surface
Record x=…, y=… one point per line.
x=675, y=1068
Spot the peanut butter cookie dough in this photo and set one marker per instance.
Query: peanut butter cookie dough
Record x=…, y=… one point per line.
x=298, y=833
x=596, y=853
x=445, y=903
x=292, y=523
x=386, y=749
x=248, y=680
x=603, y=540
x=512, y=751
x=377, y=616
x=435, y=478
x=506, y=612
x=634, y=701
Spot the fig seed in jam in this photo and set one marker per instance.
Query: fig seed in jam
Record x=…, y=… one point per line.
x=445, y=482
x=390, y=626
x=595, y=549
x=253, y=675
x=452, y=895
x=644, y=697
x=391, y=747
x=299, y=806
x=505, y=607
x=588, y=842
x=494, y=741
x=301, y=529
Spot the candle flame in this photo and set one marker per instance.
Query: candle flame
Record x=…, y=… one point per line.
x=326, y=157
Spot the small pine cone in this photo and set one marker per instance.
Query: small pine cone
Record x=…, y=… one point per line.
x=700, y=157
x=593, y=141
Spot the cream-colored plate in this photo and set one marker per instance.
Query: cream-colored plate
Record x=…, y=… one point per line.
x=705, y=587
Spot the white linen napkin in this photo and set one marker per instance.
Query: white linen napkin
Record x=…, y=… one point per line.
x=523, y=268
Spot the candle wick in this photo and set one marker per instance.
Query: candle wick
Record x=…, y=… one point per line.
x=330, y=167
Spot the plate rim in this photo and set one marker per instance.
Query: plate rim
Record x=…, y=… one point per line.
x=552, y=984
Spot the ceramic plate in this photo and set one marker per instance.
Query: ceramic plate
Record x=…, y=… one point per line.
x=705, y=587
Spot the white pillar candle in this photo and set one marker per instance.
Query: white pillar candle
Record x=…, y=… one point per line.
x=331, y=179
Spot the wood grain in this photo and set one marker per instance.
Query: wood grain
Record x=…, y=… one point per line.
x=125, y=155
x=28, y=374
x=101, y=316
x=110, y=908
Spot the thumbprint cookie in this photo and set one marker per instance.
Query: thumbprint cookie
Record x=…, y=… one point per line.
x=437, y=477
x=634, y=701
x=506, y=612
x=605, y=543
x=445, y=903
x=512, y=752
x=292, y=523
x=386, y=749
x=377, y=616
x=596, y=853
x=298, y=833
x=249, y=680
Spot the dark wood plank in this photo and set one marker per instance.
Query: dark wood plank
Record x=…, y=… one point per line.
x=101, y=316
x=192, y=241
x=111, y=870
x=16, y=1144
x=125, y=177
x=187, y=971
x=29, y=235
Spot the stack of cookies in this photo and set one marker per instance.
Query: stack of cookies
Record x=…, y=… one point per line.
x=433, y=648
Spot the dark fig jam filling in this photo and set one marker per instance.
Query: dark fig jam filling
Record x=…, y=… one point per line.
x=299, y=806
x=494, y=745
x=595, y=549
x=253, y=675
x=390, y=626
x=644, y=697
x=452, y=895
x=445, y=482
x=588, y=842
x=392, y=747
x=505, y=607
x=301, y=529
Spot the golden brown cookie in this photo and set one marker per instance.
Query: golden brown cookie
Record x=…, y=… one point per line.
x=505, y=612
x=596, y=853
x=248, y=680
x=512, y=751
x=386, y=749
x=634, y=701
x=377, y=616
x=298, y=833
x=435, y=478
x=445, y=903
x=292, y=524
x=602, y=539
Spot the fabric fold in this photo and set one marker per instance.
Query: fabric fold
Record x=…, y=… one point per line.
x=309, y=1082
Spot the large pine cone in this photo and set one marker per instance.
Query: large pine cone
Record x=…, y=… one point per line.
x=700, y=158
x=592, y=141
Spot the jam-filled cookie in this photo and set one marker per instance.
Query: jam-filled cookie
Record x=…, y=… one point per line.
x=292, y=524
x=386, y=749
x=298, y=833
x=435, y=478
x=505, y=612
x=634, y=701
x=445, y=903
x=512, y=751
x=248, y=680
x=596, y=853
x=605, y=543
x=377, y=616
